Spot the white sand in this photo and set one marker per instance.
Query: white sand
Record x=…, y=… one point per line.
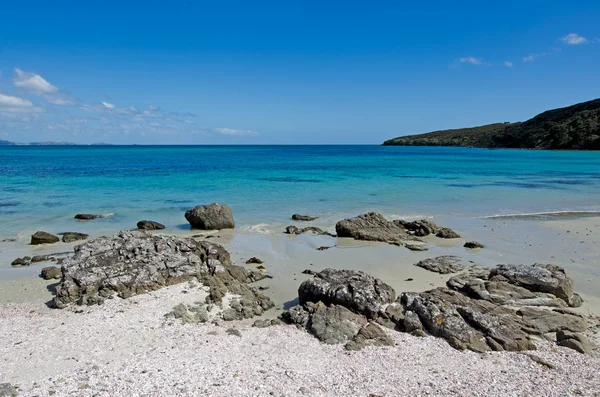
x=126, y=347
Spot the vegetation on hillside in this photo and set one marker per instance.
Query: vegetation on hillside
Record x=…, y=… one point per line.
x=573, y=127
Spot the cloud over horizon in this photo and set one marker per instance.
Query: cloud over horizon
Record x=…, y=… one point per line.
x=231, y=131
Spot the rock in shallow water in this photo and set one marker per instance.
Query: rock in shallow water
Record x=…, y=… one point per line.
x=473, y=245
x=150, y=225
x=210, y=217
x=89, y=217
x=298, y=217
x=372, y=227
x=43, y=238
x=69, y=237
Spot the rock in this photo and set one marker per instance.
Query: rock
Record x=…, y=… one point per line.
x=323, y=248
x=372, y=227
x=20, y=262
x=43, y=238
x=7, y=390
x=540, y=278
x=42, y=258
x=473, y=245
x=420, y=228
x=546, y=321
x=189, y=314
x=416, y=247
x=150, y=225
x=442, y=264
x=352, y=289
x=234, y=332
x=310, y=230
x=574, y=341
x=69, y=237
x=210, y=217
x=133, y=262
x=298, y=217
x=444, y=232
x=253, y=260
x=51, y=272
x=266, y=323
x=369, y=335
x=88, y=217
x=330, y=324
x=308, y=271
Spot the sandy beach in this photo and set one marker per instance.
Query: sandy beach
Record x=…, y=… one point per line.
x=127, y=347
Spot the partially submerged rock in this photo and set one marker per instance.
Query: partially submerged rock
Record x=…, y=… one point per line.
x=298, y=217
x=372, y=227
x=419, y=228
x=69, y=237
x=134, y=262
x=445, y=232
x=254, y=260
x=210, y=217
x=442, y=264
x=473, y=245
x=308, y=230
x=150, y=225
x=89, y=217
x=20, y=262
x=43, y=238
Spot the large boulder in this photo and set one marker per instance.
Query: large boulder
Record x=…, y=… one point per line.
x=43, y=238
x=69, y=237
x=372, y=227
x=355, y=290
x=210, y=217
x=133, y=262
x=150, y=225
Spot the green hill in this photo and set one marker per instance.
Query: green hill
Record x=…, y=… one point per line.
x=573, y=127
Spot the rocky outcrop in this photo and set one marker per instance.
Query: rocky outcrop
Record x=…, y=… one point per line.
x=420, y=228
x=69, y=237
x=442, y=264
x=473, y=245
x=150, y=225
x=134, y=262
x=20, y=262
x=372, y=227
x=445, y=232
x=43, y=238
x=210, y=217
x=298, y=217
x=308, y=230
x=51, y=272
x=479, y=310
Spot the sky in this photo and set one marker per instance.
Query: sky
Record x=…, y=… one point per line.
x=283, y=72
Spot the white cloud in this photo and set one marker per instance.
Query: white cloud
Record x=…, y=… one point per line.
x=471, y=60
x=573, y=39
x=33, y=82
x=14, y=102
x=108, y=105
x=63, y=100
x=508, y=64
x=231, y=131
x=533, y=57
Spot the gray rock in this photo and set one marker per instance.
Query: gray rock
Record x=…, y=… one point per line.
x=416, y=247
x=254, y=260
x=419, y=228
x=88, y=217
x=445, y=232
x=579, y=342
x=298, y=217
x=7, y=390
x=266, y=323
x=352, y=289
x=51, y=272
x=308, y=230
x=43, y=238
x=372, y=227
x=150, y=225
x=473, y=245
x=20, y=262
x=210, y=217
x=540, y=278
x=189, y=314
x=575, y=345
x=552, y=321
x=133, y=262
x=369, y=335
x=42, y=258
x=69, y=237
x=234, y=332
x=442, y=264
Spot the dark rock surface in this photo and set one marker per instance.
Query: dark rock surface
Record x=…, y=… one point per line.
x=20, y=262
x=88, y=217
x=298, y=217
x=442, y=264
x=210, y=217
x=309, y=230
x=353, y=289
x=134, y=262
x=445, y=232
x=150, y=225
x=43, y=238
x=254, y=260
x=372, y=227
x=473, y=245
x=51, y=272
x=574, y=341
x=420, y=228
x=69, y=237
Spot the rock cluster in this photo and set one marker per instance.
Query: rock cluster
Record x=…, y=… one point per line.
x=374, y=227
x=482, y=309
x=309, y=230
x=134, y=262
x=210, y=217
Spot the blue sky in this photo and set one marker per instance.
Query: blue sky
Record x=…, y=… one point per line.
x=193, y=72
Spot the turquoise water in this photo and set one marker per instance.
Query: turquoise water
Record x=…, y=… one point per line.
x=44, y=187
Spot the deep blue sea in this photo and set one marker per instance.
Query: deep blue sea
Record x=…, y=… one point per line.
x=265, y=185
